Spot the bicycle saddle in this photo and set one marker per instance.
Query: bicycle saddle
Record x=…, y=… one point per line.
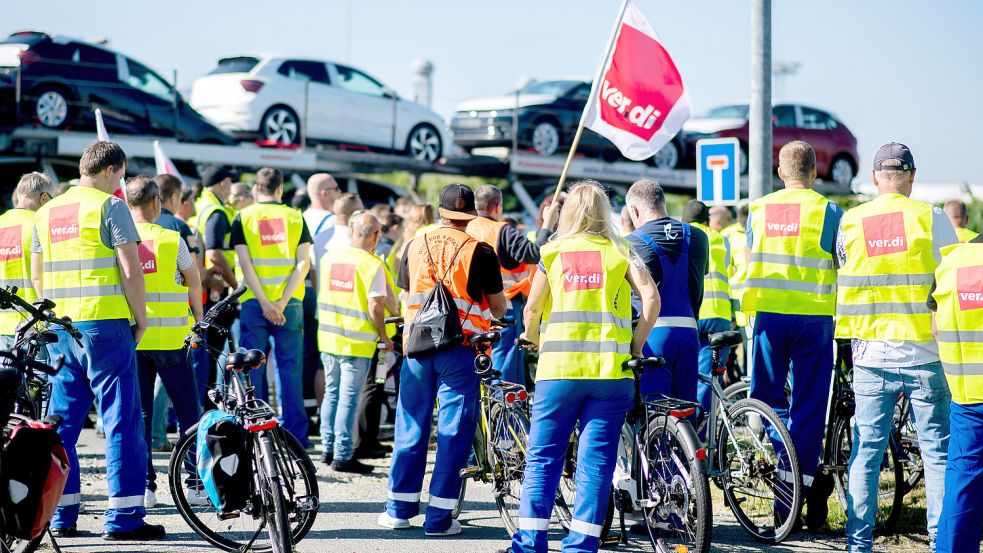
x=255, y=358
x=489, y=338
x=726, y=338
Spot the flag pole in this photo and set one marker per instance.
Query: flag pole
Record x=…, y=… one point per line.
x=583, y=114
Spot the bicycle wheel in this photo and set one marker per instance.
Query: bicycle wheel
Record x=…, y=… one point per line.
x=456, y=512
x=274, y=507
x=677, y=507
x=16, y=545
x=231, y=534
x=761, y=476
x=891, y=482
x=506, y=446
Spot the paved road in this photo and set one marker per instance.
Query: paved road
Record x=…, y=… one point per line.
x=350, y=505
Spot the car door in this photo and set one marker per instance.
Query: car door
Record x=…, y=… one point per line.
x=374, y=105
x=328, y=114
x=783, y=129
x=815, y=127
x=155, y=95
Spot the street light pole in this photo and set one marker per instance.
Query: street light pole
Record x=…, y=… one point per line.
x=759, y=118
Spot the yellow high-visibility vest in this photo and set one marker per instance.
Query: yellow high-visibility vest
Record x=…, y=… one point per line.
x=16, y=231
x=959, y=320
x=588, y=334
x=80, y=272
x=272, y=233
x=716, y=288
x=345, y=324
x=965, y=235
x=204, y=207
x=168, y=314
x=737, y=270
x=788, y=271
x=889, y=270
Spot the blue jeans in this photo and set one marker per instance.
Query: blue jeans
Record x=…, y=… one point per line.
x=344, y=378
x=161, y=414
x=962, y=506
x=289, y=339
x=877, y=392
x=599, y=407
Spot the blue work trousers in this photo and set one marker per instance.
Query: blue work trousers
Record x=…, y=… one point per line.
x=600, y=407
x=506, y=355
x=677, y=378
x=103, y=367
x=289, y=338
x=447, y=377
x=705, y=328
x=962, y=505
x=802, y=345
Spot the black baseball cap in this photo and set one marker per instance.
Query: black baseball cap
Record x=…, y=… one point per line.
x=897, y=152
x=457, y=203
x=214, y=174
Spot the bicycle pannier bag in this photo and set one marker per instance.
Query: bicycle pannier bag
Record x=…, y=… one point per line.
x=33, y=470
x=437, y=325
x=223, y=462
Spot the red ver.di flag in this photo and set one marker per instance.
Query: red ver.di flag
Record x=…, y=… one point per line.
x=638, y=100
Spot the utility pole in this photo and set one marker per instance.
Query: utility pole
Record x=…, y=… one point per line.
x=759, y=118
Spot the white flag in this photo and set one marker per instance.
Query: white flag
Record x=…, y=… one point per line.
x=101, y=127
x=164, y=164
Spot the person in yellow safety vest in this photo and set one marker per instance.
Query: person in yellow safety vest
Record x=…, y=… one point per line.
x=957, y=301
x=516, y=255
x=353, y=296
x=85, y=257
x=736, y=236
x=172, y=282
x=959, y=215
x=581, y=294
x=273, y=246
x=16, y=231
x=888, y=250
x=715, y=311
x=791, y=291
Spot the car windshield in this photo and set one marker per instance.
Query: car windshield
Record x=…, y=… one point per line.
x=142, y=78
x=242, y=64
x=550, y=88
x=726, y=112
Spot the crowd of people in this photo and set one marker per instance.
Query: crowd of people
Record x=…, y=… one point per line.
x=901, y=278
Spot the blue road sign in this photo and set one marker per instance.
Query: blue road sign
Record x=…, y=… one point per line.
x=718, y=175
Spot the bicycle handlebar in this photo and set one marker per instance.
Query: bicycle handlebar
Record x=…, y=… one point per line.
x=217, y=310
x=39, y=312
x=17, y=360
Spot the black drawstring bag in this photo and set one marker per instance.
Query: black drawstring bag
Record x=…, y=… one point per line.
x=436, y=326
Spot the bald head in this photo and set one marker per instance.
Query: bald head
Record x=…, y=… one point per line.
x=364, y=229
x=346, y=204
x=720, y=217
x=957, y=212
x=323, y=191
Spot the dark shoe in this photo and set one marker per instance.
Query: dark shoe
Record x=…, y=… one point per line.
x=817, y=495
x=327, y=458
x=376, y=452
x=70, y=532
x=506, y=550
x=351, y=465
x=147, y=532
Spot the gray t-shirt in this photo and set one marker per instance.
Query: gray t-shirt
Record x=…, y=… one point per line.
x=117, y=227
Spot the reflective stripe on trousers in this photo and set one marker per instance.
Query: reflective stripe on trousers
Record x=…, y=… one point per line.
x=676, y=322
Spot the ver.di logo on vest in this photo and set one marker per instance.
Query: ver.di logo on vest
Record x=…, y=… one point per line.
x=969, y=287
x=63, y=223
x=148, y=260
x=782, y=220
x=581, y=270
x=272, y=231
x=884, y=234
x=342, y=278
x=10, y=243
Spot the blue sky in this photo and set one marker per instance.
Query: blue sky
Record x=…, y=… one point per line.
x=902, y=70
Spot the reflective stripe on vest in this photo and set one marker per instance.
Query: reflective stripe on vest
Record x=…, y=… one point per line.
x=735, y=236
x=716, y=288
x=959, y=319
x=788, y=271
x=168, y=315
x=345, y=324
x=16, y=232
x=889, y=269
x=69, y=229
x=442, y=245
x=489, y=231
x=588, y=335
x=272, y=233
x=205, y=206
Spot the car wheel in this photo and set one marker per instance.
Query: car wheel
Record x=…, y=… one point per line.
x=841, y=172
x=667, y=158
x=423, y=144
x=545, y=138
x=51, y=108
x=280, y=125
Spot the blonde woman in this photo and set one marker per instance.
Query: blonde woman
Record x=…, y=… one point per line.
x=586, y=276
x=420, y=220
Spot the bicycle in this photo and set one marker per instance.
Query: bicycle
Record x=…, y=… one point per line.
x=284, y=497
x=750, y=456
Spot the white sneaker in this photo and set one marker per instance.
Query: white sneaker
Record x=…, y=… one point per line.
x=455, y=528
x=197, y=497
x=149, y=499
x=393, y=523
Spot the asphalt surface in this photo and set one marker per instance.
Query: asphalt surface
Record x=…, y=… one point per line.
x=350, y=505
